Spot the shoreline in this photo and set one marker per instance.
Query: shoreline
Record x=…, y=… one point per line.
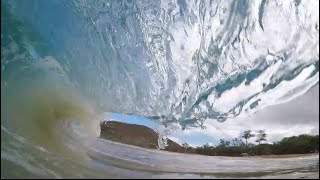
x=286, y=155
x=282, y=156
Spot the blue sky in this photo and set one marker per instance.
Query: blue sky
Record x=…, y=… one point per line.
x=134, y=120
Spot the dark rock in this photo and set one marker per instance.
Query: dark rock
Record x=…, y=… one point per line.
x=133, y=134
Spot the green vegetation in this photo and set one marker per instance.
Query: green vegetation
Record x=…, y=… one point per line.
x=247, y=135
x=261, y=136
x=297, y=145
x=301, y=144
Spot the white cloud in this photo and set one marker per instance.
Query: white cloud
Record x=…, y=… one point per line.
x=300, y=116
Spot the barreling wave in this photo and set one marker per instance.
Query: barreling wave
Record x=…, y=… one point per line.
x=177, y=62
x=180, y=63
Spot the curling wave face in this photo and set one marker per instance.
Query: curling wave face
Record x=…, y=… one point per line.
x=64, y=63
x=178, y=61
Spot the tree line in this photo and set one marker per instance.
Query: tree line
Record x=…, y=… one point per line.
x=241, y=147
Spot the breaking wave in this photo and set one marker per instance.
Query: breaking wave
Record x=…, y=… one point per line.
x=64, y=63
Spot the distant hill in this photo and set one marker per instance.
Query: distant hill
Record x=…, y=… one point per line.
x=133, y=134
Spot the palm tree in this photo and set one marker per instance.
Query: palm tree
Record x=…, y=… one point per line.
x=261, y=136
x=237, y=142
x=247, y=135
